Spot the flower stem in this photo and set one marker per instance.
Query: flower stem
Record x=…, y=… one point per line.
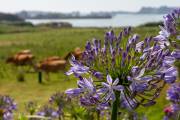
x=115, y=106
x=98, y=115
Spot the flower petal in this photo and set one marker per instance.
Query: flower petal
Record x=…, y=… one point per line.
x=118, y=87
x=109, y=79
x=116, y=82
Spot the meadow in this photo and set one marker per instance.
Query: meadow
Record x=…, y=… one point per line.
x=44, y=42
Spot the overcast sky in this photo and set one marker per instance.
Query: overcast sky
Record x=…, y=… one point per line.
x=82, y=5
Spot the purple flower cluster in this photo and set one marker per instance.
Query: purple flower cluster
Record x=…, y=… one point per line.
x=123, y=67
x=169, y=36
x=173, y=93
x=86, y=86
x=60, y=100
x=7, y=106
x=173, y=111
x=49, y=112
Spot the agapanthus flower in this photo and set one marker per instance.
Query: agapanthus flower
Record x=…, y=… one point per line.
x=77, y=67
x=170, y=31
x=176, y=54
x=60, y=101
x=172, y=111
x=87, y=88
x=173, y=93
x=49, y=112
x=169, y=36
x=7, y=106
x=109, y=87
x=124, y=67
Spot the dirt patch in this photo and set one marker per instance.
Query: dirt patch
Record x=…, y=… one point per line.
x=10, y=43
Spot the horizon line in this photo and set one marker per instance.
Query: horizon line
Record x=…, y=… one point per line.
x=53, y=11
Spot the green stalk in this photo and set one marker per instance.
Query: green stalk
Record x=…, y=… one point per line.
x=98, y=115
x=115, y=106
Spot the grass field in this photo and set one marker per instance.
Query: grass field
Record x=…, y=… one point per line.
x=48, y=42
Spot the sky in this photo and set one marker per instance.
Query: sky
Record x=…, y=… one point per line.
x=85, y=6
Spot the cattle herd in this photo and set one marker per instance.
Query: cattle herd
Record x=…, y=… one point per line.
x=52, y=64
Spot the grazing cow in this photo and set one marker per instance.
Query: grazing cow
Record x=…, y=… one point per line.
x=52, y=64
x=21, y=58
x=77, y=53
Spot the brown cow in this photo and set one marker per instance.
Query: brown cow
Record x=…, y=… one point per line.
x=52, y=64
x=21, y=58
x=77, y=53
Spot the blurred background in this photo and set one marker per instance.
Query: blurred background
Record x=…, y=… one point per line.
x=93, y=13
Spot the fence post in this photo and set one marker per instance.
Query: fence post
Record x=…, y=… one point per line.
x=40, y=77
